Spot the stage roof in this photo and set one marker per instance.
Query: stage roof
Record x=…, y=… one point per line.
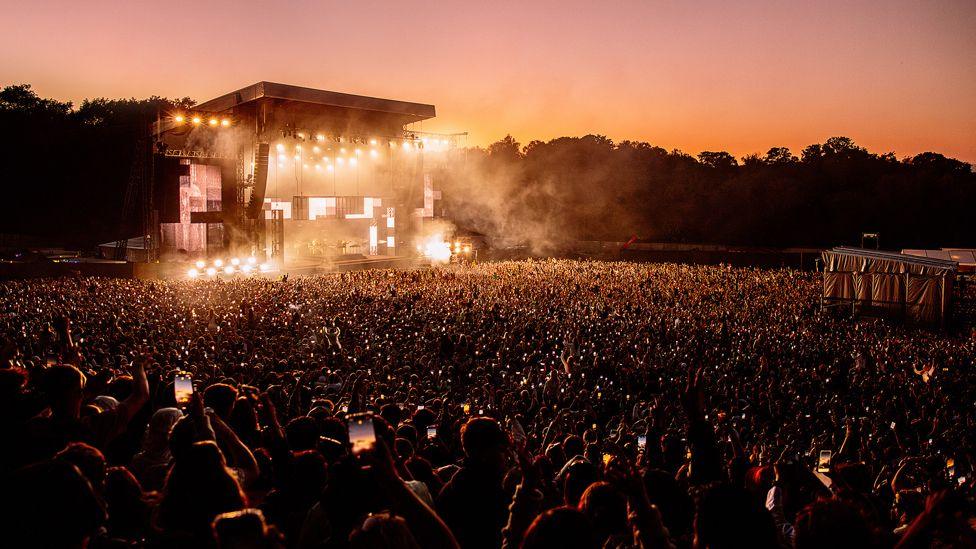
x=285, y=92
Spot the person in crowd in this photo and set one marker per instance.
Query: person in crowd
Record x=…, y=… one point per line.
x=553, y=403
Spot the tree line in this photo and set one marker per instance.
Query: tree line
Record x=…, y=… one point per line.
x=67, y=169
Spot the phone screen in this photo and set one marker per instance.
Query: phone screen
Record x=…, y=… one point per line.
x=642, y=441
x=823, y=464
x=182, y=388
x=432, y=432
x=362, y=436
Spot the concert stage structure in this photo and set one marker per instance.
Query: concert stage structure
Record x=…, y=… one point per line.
x=280, y=172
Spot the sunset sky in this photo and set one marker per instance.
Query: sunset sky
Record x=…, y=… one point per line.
x=894, y=75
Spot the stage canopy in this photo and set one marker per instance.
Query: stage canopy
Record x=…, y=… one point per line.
x=918, y=289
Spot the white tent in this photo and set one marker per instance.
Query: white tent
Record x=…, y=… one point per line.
x=889, y=284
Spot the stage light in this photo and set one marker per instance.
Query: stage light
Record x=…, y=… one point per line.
x=297, y=157
x=229, y=269
x=265, y=267
x=247, y=268
x=196, y=120
x=192, y=273
x=235, y=261
x=372, y=142
x=352, y=161
x=373, y=153
x=305, y=166
x=316, y=149
x=330, y=168
x=320, y=137
x=339, y=161
x=358, y=152
x=178, y=119
x=218, y=262
x=406, y=146
x=225, y=122
x=213, y=122
x=318, y=167
x=201, y=264
x=467, y=249
x=300, y=135
x=211, y=271
x=252, y=260
x=298, y=148
x=280, y=147
x=342, y=150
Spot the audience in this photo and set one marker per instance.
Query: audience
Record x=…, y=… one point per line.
x=530, y=404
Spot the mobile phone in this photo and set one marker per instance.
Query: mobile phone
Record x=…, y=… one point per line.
x=823, y=463
x=420, y=407
x=362, y=435
x=642, y=441
x=432, y=432
x=182, y=389
x=481, y=412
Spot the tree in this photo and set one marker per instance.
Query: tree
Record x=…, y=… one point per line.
x=779, y=156
x=718, y=160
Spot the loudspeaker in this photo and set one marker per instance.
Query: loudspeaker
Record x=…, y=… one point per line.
x=166, y=187
x=254, y=208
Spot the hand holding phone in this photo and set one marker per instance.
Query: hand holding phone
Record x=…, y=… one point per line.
x=182, y=389
x=362, y=434
x=432, y=432
x=823, y=463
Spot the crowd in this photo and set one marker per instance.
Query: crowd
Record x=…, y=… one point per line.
x=520, y=404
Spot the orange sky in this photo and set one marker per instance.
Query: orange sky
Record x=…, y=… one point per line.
x=743, y=77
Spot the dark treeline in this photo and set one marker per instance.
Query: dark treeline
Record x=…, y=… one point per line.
x=67, y=171
x=67, y=168
x=592, y=188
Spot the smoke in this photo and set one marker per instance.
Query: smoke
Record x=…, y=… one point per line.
x=433, y=240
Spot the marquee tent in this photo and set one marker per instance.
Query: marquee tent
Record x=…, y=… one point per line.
x=889, y=284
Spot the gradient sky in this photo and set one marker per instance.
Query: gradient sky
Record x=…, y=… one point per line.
x=718, y=75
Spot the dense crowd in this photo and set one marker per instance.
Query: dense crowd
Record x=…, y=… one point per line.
x=521, y=404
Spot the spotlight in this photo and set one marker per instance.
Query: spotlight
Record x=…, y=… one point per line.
x=211, y=271
x=218, y=262
x=179, y=119
x=196, y=120
x=372, y=142
x=316, y=149
x=280, y=147
x=225, y=122
x=342, y=150
x=235, y=261
x=229, y=269
x=247, y=268
x=373, y=153
x=192, y=273
x=352, y=161
x=320, y=137
x=265, y=267
x=298, y=147
x=300, y=135
x=201, y=264
x=358, y=152
x=330, y=168
x=213, y=122
x=406, y=146
x=252, y=260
